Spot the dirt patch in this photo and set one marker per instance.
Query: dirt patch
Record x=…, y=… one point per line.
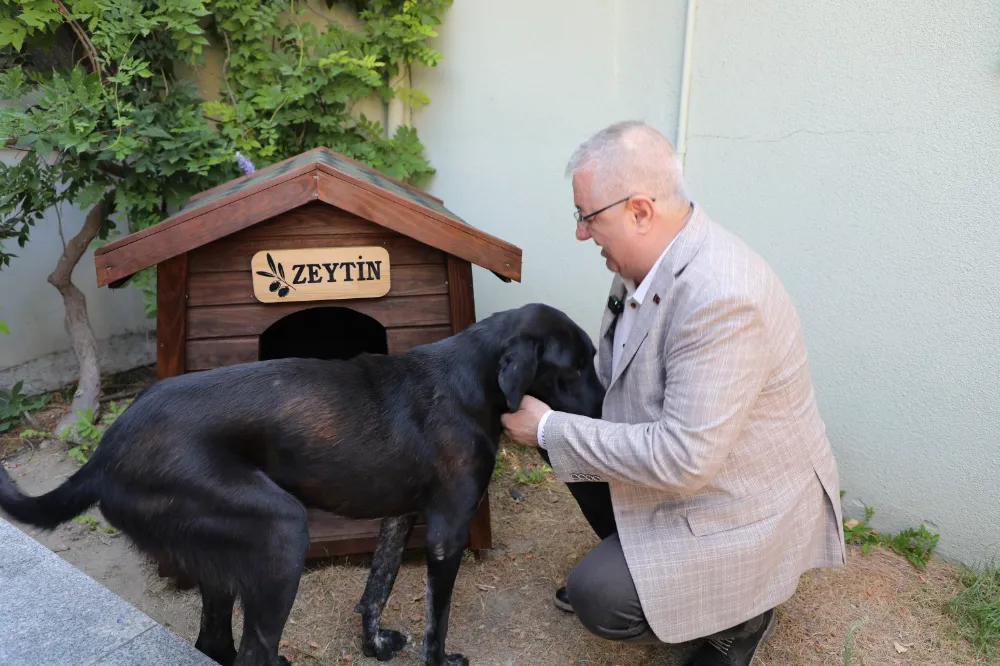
x=502, y=613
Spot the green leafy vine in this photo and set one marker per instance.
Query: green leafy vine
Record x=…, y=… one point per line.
x=110, y=116
x=288, y=86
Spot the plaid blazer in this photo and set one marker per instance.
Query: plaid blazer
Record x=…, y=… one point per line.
x=724, y=486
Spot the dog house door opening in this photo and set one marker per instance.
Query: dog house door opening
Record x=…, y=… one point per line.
x=323, y=333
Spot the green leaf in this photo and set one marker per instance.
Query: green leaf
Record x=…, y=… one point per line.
x=13, y=33
x=154, y=131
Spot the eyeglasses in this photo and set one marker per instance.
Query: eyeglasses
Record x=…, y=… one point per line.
x=580, y=217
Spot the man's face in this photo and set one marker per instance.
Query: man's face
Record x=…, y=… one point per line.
x=609, y=229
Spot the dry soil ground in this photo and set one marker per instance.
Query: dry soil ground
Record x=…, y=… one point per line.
x=502, y=613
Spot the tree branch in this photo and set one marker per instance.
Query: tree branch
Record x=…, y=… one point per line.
x=81, y=334
x=112, y=169
x=88, y=46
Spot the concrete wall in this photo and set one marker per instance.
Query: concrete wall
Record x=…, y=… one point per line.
x=38, y=350
x=855, y=146
x=504, y=118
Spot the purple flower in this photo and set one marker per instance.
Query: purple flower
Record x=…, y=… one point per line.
x=245, y=164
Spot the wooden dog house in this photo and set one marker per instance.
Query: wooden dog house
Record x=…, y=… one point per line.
x=315, y=256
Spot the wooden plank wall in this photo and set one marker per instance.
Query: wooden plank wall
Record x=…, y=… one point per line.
x=224, y=319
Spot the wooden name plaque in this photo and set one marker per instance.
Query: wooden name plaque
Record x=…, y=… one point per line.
x=320, y=274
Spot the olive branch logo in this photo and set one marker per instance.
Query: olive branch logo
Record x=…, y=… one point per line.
x=277, y=274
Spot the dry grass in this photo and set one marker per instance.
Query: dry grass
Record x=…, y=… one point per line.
x=502, y=611
x=502, y=614
x=888, y=602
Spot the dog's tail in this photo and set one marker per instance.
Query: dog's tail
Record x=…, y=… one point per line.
x=55, y=507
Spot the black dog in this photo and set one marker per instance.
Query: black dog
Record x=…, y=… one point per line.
x=212, y=472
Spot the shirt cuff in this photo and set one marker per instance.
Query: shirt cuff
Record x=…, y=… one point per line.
x=540, y=436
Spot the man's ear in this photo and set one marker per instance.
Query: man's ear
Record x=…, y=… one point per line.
x=642, y=208
x=517, y=368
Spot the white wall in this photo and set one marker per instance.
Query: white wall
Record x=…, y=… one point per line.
x=856, y=146
x=503, y=120
x=36, y=351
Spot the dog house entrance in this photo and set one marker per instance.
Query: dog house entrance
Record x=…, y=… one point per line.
x=323, y=333
x=331, y=333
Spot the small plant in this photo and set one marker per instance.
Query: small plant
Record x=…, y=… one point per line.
x=529, y=474
x=976, y=610
x=88, y=520
x=916, y=545
x=84, y=434
x=92, y=523
x=536, y=473
x=860, y=533
x=13, y=406
x=500, y=465
x=87, y=433
x=849, y=643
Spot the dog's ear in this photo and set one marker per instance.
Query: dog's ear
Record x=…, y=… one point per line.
x=517, y=368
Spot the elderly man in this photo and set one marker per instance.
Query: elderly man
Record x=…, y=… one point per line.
x=709, y=480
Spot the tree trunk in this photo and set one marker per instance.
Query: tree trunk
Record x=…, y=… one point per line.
x=81, y=335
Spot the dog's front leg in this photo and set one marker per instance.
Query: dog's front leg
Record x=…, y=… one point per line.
x=441, y=574
x=377, y=642
x=447, y=533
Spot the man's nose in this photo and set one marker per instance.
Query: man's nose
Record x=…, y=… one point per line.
x=582, y=231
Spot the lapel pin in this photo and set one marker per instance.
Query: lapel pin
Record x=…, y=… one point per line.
x=656, y=298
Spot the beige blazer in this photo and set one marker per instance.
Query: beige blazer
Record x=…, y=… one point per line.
x=724, y=486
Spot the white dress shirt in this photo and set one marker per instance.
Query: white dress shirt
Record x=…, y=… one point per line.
x=633, y=299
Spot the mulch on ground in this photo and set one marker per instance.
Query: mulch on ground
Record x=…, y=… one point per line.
x=879, y=608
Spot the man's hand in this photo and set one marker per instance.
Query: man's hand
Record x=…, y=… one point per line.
x=522, y=426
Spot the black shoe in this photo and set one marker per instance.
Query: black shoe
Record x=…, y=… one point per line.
x=561, y=600
x=736, y=651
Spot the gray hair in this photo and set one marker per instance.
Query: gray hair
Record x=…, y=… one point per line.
x=631, y=156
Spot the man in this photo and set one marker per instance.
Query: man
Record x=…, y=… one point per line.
x=709, y=480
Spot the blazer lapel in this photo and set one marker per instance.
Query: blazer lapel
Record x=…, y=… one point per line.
x=657, y=298
x=605, y=341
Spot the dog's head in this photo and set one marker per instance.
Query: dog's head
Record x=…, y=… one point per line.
x=545, y=354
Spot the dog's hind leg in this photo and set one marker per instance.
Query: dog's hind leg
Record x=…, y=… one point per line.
x=448, y=522
x=215, y=639
x=377, y=642
x=269, y=576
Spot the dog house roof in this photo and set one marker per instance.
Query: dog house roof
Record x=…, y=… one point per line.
x=319, y=174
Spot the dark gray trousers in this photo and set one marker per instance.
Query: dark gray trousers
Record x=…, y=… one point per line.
x=604, y=598
x=600, y=587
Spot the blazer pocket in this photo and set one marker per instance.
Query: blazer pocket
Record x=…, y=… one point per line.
x=731, y=515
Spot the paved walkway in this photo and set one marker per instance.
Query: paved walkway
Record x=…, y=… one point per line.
x=52, y=614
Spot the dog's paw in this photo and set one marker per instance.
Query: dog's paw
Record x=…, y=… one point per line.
x=393, y=639
x=455, y=660
x=385, y=645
